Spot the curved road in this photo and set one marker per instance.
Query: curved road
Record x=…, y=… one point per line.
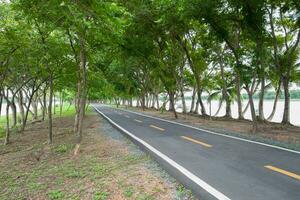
x=212, y=165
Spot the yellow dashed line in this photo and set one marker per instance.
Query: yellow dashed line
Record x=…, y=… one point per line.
x=196, y=141
x=287, y=173
x=158, y=128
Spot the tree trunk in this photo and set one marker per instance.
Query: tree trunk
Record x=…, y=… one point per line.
x=143, y=102
x=238, y=91
x=81, y=92
x=183, y=101
x=203, y=111
x=34, y=107
x=21, y=106
x=196, y=111
x=193, y=100
x=275, y=102
x=246, y=108
x=224, y=91
x=252, y=108
x=286, y=111
x=54, y=104
x=7, y=136
x=50, y=109
x=219, y=108
x=146, y=100
x=14, y=113
x=27, y=110
x=261, y=115
x=44, y=103
x=172, y=104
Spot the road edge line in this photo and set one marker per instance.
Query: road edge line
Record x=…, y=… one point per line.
x=177, y=166
x=215, y=133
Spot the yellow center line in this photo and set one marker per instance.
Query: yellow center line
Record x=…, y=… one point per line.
x=287, y=173
x=158, y=128
x=127, y=116
x=196, y=141
x=139, y=121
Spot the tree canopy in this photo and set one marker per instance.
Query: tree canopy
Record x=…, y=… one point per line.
x=147, y=51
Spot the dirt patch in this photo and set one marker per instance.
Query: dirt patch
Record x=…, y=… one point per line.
x=287, y=136
x=105, y=168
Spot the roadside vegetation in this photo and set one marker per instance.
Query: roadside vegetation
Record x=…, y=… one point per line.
x=108, y=167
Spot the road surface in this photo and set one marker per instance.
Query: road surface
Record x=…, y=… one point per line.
x=211, y=165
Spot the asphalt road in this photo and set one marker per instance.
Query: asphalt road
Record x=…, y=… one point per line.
x=213, y=166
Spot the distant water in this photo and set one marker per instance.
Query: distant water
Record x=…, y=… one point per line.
x=268, y=105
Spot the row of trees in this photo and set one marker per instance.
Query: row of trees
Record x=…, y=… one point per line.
x=50, y=48
x=123, y=50
x=219, y=47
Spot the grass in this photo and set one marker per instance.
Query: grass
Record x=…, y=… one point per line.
x=67, y=110
x=105, y=168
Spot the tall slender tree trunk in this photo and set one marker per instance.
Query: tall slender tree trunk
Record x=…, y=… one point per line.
x=50, y=109
x=21, y=107
x=54, y=104
x=252, y=108
x=172, y=103
x=286, y=111
x=224, y=90
x=238, y=91
x=193, y=100
x=14, y=113
x=275, y=102
x=196, y=111
x=7, y=136
x=261, y=115
x=146, y=100
x=183, y=102
x=203, y=110
x=143, y=101
x=182, y=86
x=44, y=103
x=34, y=107
x=28, y=109
x=81, y=93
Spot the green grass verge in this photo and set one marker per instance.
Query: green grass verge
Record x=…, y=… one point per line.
x=67, y=111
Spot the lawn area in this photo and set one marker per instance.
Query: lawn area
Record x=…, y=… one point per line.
x=108, y=165
x=67, y=110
